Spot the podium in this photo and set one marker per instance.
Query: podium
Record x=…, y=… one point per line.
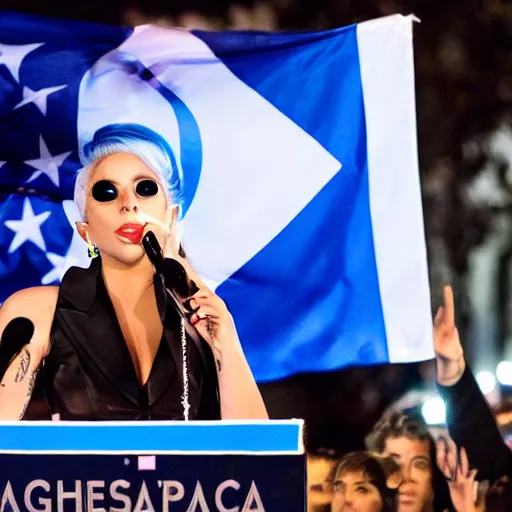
x=221, y=466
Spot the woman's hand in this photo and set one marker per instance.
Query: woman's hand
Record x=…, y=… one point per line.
x=211, y=317
x=240, y=397
x=461, y=480
x=447, y=346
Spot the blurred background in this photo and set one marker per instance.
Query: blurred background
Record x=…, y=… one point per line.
x=464, y=110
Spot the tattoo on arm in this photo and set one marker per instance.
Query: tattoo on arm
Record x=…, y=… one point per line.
x=24, y=366
x=217, y=354
x=30, y=389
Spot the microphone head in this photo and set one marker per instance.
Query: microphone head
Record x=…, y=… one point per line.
x=173, y=272
x=153, y=250
x=17, y=333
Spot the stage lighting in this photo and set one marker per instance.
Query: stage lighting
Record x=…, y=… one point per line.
x=486, y=381
x=434, y=411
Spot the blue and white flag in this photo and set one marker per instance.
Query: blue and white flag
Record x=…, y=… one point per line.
x=299, y=156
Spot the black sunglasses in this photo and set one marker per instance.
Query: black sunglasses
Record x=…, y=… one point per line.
x=105, y=191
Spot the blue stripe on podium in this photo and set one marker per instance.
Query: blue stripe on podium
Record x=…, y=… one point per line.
x=152, y=437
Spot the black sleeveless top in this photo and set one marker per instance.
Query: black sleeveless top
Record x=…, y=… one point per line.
x=89, y=373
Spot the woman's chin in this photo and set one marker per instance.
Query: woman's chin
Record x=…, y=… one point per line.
x=129, y=255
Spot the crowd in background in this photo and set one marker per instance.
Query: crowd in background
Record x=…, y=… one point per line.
x=463, y=466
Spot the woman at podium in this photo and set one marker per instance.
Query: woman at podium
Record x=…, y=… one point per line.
x=137, y=335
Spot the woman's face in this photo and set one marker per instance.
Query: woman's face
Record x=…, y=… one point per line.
x=120, y=188
x=353, y=492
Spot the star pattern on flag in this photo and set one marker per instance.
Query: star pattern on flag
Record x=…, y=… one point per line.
x=28, y=228
x=76, y=254
x=42, y=65
x=60, y=265
x=39, y=153
x=38, y=98
x=12, y=56
x=46, y=163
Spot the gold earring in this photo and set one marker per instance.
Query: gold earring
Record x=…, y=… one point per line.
x=92, y=250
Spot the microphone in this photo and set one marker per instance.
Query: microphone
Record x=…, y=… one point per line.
x=176, y=280
x=17, y=333
x=153, y=250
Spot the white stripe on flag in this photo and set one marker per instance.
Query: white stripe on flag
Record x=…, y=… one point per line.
x=387, y=73
x=252, y=152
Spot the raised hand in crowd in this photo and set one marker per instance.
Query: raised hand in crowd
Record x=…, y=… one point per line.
x=447, y=346
x=461, y=480
x=470, y=421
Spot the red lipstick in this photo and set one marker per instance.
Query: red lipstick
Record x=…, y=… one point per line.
x=132, y=232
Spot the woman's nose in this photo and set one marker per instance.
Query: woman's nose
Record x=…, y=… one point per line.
x=127, y=201
x=405, y=473
x=348, y=500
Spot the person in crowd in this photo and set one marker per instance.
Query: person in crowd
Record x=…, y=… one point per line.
x=320, y=464
x=503, y=413
x=408, y=441
x=467, y=494
x=470, y=420
x=499, y=496
x=360, y=483
x=115, y=345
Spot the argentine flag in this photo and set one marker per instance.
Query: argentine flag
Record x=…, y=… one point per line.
x=299, y=156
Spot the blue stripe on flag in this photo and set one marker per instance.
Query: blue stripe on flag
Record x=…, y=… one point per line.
x=310, y=298
x=191, y=148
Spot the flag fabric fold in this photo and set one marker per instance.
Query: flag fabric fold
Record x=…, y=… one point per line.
x=299, y=156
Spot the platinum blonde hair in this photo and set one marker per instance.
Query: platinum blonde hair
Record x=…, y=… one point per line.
x=137, y=140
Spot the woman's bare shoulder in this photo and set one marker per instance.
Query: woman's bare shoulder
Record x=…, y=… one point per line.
x=37, y=303
x=44, y=293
